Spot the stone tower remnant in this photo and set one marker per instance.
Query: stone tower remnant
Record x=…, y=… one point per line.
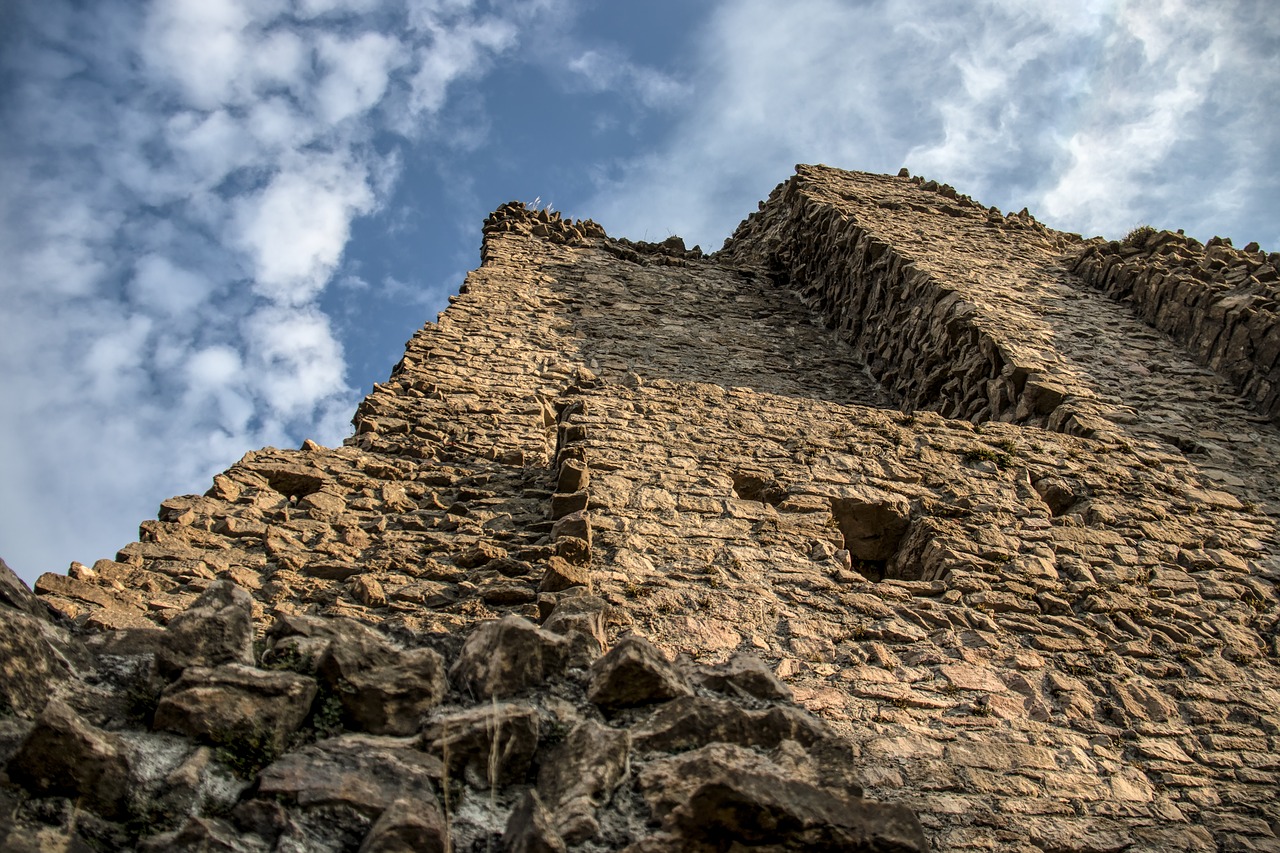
x=897, y=524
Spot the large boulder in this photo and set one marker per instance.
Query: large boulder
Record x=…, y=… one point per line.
x=580, y=773
x=693, y=721
x=489, y=746
x=724, y=796
x=217, y=629
x=633, y=673
x=509, y=656
x=391, y=699
x=63, y=755
x=248, y=712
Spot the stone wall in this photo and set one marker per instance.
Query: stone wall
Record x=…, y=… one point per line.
x=1219, y=301
x=1011, y=624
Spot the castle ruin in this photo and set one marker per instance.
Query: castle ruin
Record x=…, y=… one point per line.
x=897, y=524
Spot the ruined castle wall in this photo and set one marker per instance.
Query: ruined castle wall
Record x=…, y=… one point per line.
x=1219, y=301
x=977, y=315
x=1034, y=639
x=925, y=332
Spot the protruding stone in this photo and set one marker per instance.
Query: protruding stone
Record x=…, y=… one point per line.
x=529, y=829
x=580, y=773
x=409, y=826
x=690, y=722
x=65, y=756
x=368, y=591
x=633, y=673
x=392, y=699
x=582, y=614
x=743, y=675
x=491, y=745
x=574, y=476
x=217, y=629
x=236, y=706
x=561, y=575
x=507, y=657
x=366, y=774
x=726, y=795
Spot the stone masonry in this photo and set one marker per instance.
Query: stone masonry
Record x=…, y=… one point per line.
x=896, y=524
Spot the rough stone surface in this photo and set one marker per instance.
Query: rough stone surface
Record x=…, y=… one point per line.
x=227, y=704
x=634, y=672
x=992, y=509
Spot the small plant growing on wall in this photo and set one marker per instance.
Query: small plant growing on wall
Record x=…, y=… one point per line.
x=1138, y=237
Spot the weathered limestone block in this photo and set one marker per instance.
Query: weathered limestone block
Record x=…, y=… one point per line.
x=579, y=774
x=233, y=705
x=723, y=793
x=743, y=675
x=691, y=722
x=574, y=476
x=364, y=773
x=561, y=575
x=409, y=826
x=491, y=745
x=512, y=655
x=64, y=755
x=393, y=698
x=31, y=668
x=217, y=629
x=633, y=673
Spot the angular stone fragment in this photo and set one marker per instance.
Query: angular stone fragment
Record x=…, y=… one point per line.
x=576, y=525
x=564, y=503
x=30, y=667
x=578, y=613
x=409, y=826
x=509, y=656
x=743, y=675
x=217, y=629
x=634, y=672
x=489, y=745
x=391, y=699
x=579, y=773
x=65, y=756
x=574, y=476
x=723, y=796
x=529, y=829
x=479, y=555
x=573, y=550
x=694, y=721
x=561, y=575
x=236, y=706
x=364, y=773
x=14, y=593
x=334, y=649
x=368, y=591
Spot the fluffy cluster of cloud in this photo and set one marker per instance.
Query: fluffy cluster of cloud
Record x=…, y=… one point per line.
x=1097, y=114
x=181, y=181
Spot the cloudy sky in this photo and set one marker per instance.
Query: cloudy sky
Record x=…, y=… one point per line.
x=221, y=219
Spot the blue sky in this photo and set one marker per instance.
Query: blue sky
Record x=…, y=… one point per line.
x=221, y=219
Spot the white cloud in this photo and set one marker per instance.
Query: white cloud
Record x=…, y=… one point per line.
x=182, y=180
x=602, y=71
x=356, y=73
x=450, y=54
x=1094, y=114
x=295, y=228
x=161, y=287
